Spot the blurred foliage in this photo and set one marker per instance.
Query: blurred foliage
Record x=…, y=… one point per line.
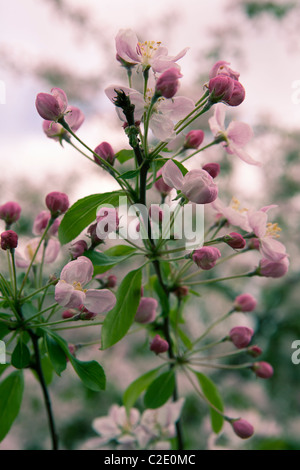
x=277, y=10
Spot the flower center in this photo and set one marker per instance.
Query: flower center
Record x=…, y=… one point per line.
x=235, y=204
x=146, y=50
x=272, y=230
x=78, y=286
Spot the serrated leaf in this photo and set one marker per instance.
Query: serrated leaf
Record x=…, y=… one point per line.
x=124, y=155
x=160, y=390
x=56, y=354
x=212, y=394
x=83, y=213
x=135, y=389
x=21, y=355
x=11, y=393
x=118, y=321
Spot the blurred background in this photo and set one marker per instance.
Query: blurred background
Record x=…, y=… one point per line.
x=70, y=44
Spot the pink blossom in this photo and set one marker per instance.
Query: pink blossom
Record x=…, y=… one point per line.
x=245, y=303
x=105, y=151
x=212, y=168
x=238, y=94
x=160, y=185
x=149, y=53
x=70, y=292
x=235, y=240
x=264, y=370
x=78, y=248
x=159, y=345
x=73, y=117
x=41, y=221
x=236, y=136
x=107, y=222
x=51, y=253
x=57, y=203
x=193, y=139
x=9, y=240
x=234, y=214
x=10, y=212
x=146, y=311
x=164, y=112
x=167, y=84
x=221, y=68
x=52, y=106
x=206, y=257
x=221, y=88
x=197, y=185
x=241, y=336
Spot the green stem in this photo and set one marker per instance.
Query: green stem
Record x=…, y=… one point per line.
x=24, y=299
x=198, y=151
x=213, y=325
x=219, y=279
x=12, y=252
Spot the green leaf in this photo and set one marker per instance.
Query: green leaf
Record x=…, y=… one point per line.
x=212, y=394
x=21, y=355
x=103, y=262
x=162, y=161
x=160, y=390
x=134, y=390
x=83, y=213
x=56, y=354
x=91, y=373
x=124, y=155
x=11, y=393
x=3, y=330
x=128, y=175
x=118, y=321
x=120, y=250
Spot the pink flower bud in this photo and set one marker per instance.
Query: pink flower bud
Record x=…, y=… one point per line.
x=159, y=345
x=9, y=240
x=199, y=187
x=254, y=351
x=206, y=257
x=238, y=95
x=146, y=311
x=78, y=248
x=264, y=370
x=53, y=130
x=221, y=88
x=242, y=428
x=181, y=291
x=69, y=313
x=241, y=336
x=245, y=303
x=235, y=240
x=221, y=68
x=105, y=151
x=160, y=185
x=167, y=85
x=212, y=168
x=111, y=281
x=52, y=107
x=73, y=117
x=274, y=269
x=41, y=222
x=57, y=203
x=92, y=231
x=10, y=212
x=193, y=139
x=254, y=244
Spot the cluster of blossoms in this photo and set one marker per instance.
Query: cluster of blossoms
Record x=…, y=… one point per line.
x=156, y=115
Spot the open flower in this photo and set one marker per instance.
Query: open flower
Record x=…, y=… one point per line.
x=197, y=185
x=236, y=136
x=164, y=112
x=73, y=117
x=51, y=253
x=69, y=291
x=148, y=54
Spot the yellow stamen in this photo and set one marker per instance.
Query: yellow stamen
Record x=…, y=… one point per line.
x=235, y=204
x=272, y=230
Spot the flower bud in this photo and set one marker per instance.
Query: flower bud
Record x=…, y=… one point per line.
x=53, y=130
x=107, y=222
x=206, y=257
x=69, y=313
x=92, y=231
x=167, y=84
x=161, y=186
x=238, y=95
x=235, y=240
x=146, y=311
x=181, y=291
x=10, y=212
x=9, y=240
x=273, y=269
x=264, y=370
x=241, y=336
x=199, y=187
x=193, y=139
x=78, y=248
x=52, y=107
x=242, y=428
x=254, y=351
x=159, y=345
x=212, y=168
x=245, y=303
x=105, y=151
x=57, y=203
x=111, y=281
x=221, y=88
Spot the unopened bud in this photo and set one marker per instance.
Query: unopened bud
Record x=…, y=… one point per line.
x=159, y=345
x=9, y=240
x=235, y=240
x=264, y=370
x=57, y=203
x=245, y=303
x=242, y=428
